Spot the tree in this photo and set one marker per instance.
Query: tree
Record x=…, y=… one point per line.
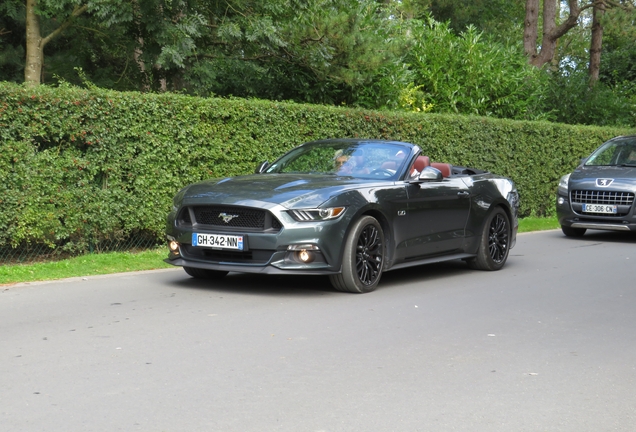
x=160, y=33
x=596, y=43
x=618, y=67
x=551, y=32
x=317, y=51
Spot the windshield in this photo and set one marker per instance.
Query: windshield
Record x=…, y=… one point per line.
x=371, y=160
x=618, y=152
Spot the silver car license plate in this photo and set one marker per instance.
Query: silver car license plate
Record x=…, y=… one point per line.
x=599, y=208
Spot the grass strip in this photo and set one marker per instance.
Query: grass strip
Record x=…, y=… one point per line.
x=85, y=265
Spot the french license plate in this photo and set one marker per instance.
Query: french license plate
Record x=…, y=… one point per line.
x=218, y=241
x=599, y=208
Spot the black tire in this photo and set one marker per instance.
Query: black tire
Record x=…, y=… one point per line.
x=573, y=232
x=362, y=259
x=495, y=242
x=199, y=273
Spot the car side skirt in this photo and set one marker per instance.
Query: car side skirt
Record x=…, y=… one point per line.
x=430, y=260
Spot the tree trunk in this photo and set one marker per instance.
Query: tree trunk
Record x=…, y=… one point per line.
x=530, y=30
x=548, y=43
x=552, y=33
x=35, y=42
x=34, y=52
x=596, y=44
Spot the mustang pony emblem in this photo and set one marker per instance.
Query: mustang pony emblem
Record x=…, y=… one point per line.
x=601, y=182
x=227, y=217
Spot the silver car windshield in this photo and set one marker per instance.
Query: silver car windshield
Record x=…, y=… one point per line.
x=619, y=152
x=353, y=159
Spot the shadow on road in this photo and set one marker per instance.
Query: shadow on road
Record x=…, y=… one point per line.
x=310, y=286
x=255, y=284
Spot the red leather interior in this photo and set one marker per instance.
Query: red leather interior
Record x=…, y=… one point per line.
x=443, y=167
x=421, y=162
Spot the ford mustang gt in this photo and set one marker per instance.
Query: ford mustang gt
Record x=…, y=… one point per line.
x=350, y=209
x=599, y=194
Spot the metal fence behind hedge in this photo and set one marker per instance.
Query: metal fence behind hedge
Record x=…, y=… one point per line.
x=30, y=253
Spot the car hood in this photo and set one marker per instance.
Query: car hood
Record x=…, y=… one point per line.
x=622, y=178
x=288, y=190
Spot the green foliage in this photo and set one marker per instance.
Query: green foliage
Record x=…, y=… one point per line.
x=319, y=51
x=501, y=18
x=86, y=165
x=618, y=58
x=467, y=74
x=573, y=101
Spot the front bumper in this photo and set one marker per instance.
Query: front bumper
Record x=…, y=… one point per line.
x=264, y=269
x=266, y=252
x=571, y=216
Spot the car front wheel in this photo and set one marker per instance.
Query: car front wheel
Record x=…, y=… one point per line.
x=495, y=242
x=363, y=258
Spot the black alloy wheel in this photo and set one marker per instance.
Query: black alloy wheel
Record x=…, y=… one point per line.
x=498, y=239
x=363, y=258
x=369, y=255
x=495, y=242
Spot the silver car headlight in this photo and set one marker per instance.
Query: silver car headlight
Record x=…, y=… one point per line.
x=313, y=215
x=563, y=184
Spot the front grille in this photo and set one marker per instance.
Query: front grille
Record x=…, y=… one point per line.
x=622, y=200
x=229, y=217
x=602, y=197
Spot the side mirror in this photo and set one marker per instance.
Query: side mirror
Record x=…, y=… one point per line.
x=431, y=174
x=262, y=167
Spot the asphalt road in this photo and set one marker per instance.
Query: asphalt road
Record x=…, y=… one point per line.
x=546, y=344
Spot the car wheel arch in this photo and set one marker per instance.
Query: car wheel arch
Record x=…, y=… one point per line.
x=383, y=220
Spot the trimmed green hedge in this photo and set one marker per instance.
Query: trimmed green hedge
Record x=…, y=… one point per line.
x=78, y=166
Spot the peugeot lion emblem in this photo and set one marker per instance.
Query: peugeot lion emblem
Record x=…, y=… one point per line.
x=227, y=217
x=604, y=182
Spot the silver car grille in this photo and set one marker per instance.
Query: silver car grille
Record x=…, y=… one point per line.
x=602, y=197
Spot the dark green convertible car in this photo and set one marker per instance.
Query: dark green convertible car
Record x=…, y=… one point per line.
x=347, y=208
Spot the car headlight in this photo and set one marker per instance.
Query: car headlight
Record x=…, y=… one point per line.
x=563, y=184
x=312, y=215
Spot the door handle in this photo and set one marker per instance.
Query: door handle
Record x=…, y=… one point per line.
x=463, y=194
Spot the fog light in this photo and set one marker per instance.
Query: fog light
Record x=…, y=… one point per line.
x=174, y=246
x=561, y=200
x=305, y=256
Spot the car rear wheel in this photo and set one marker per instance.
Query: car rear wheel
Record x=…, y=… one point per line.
x=363, y=258
x=199, y=273
x=573, y=232
x=495, y=242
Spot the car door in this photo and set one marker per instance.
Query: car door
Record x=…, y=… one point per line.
x=435, y=219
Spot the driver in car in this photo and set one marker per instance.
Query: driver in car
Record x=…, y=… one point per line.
x=346, y=164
